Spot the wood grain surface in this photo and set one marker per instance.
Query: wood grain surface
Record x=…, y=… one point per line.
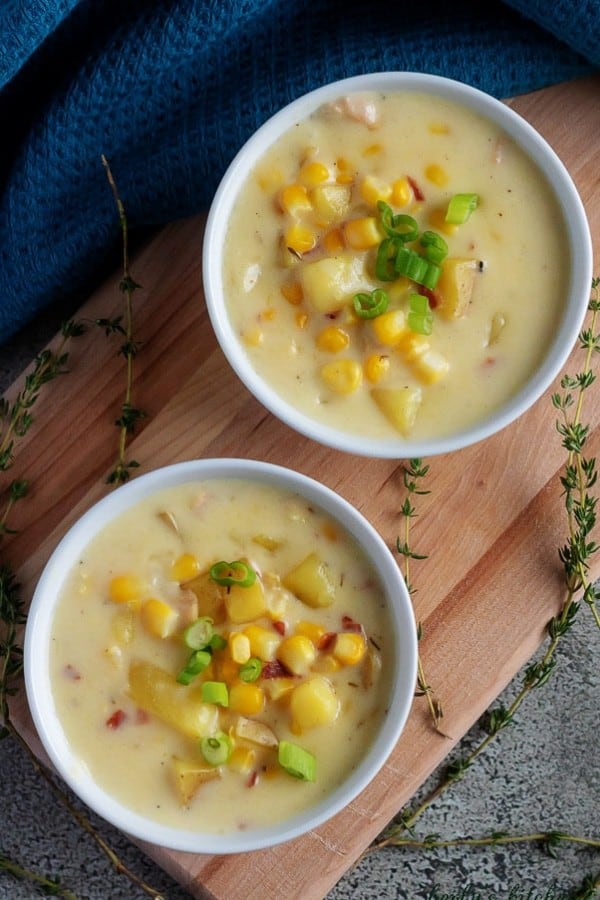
x=491, y=524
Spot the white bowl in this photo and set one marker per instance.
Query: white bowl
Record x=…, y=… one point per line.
x=579, y=251
x=37, y=654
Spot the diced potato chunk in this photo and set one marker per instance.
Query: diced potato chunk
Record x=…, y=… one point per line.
x=399, y=405
x=331, y=201
x=156, y=691
x=263, y=641
x=245, y=603
x=313, y=703
x=158, y=617
x=328, y=283
x=455, y=286
x=310, y=582
x=189, y=775
x=431, y=366
x=210, y=597
x=297, y=653
x=255, y=732
x=278, y=688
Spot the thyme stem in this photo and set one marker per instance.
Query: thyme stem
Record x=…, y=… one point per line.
x=433, y=842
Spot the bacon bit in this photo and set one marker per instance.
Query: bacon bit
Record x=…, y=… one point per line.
x=116, y=720
x=72, y=673
x=419, y=195
x=279, y=626
x=489, y=361
x=141, y=717
x=274, y=669
x=326, y=640
x=434, y=299
x=348, y=624
x=252, y=779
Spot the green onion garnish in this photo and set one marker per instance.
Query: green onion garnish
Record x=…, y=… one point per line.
x=460, y=208
x=297, y=761
x=436, y=248
x=216, y=749
x=400, y=226
x=217, y=642
x=420, y=317
x=368, y=306
x=215, y=692
x=385, y=259
x=233, y=573
x=197, y=662
x=251, y=670
x=198, y=635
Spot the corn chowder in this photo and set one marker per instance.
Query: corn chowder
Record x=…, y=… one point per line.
x=395, y=265
x=220, y=656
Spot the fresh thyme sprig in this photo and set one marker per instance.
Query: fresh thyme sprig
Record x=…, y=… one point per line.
x=50, y=886
x=130, y=415
x=413, y=474
x=578, y=478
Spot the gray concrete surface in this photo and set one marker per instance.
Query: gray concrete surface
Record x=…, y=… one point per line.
x=542, y=773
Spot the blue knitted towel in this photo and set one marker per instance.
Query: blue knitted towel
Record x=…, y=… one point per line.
x=168, y=90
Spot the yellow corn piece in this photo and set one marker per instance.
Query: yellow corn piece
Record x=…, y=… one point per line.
x=227, y=670
x=158, y=618
x=246, y=699
x=263, y=641
x=301, y=319
x=299, y=238
x=373, y=189
x=345, y=171
x=253, y=336
x=436, y=174
x=311, y=630
x=439, y=128
x=125, y=588
x=362, y=233
x=292, y=291
x=294, y=199
x=185, y=567
x=239, y=647
x=242, y=759
x=431, y=366
x=267, y=315
x=297, y=653
x=329, y=531
x=376, y=367
x=343, y=376
x=372, y=150
x=437, y=220
x=313, y=173
x=333, y=339
x=390, y=327
x=349, y=648
x=333, y=241
x=401, y=192
x=412, y=345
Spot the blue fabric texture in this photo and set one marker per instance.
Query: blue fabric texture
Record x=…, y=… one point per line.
x=169, y=90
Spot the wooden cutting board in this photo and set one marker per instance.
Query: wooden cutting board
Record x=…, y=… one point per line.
x=491, y=524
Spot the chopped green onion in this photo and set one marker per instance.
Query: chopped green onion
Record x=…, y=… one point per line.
x=216, y=749
x=420, y=317
x=368, y=306
x=436, y=248
x=297, y=761
x=385, y=260
x=251, y=670
x=217, y=642
x=215, y=692
x=410, y=264
x=198, y=635
x=460, y=208
x=432, y=276
x=400, y=226
x=197, y=662
x=233, y=573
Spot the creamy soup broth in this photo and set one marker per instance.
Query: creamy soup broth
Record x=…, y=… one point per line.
x=103, y=629
x=515, y=238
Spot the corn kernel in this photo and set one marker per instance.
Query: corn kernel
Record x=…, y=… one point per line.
x=362, y=233
x=376, y=366
x=329, y=531
x=301, y=319
x=390, y=326
x=372, y=150
x=431, y=366
x=373, y=189
x=292, y=291
x=401, y=192
x=412, y=345
x=267, y=315
x=437, y=219
x=300, y=238
x=345, y=171
x=239, y=647
x=246, y=699
x=294, y=199
x=313, y=173
x=263, y=641
x=343, y=376
x=436, y=174
x=227, y=669
x=297, y=653
x=253, y=336
x=124, y=588
x=242, y=759
x=311, y=630
x=333, y=339
x=333, y=241
x=439, y=128
x=185, y=567
x=158, y=617
x=349, y=648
